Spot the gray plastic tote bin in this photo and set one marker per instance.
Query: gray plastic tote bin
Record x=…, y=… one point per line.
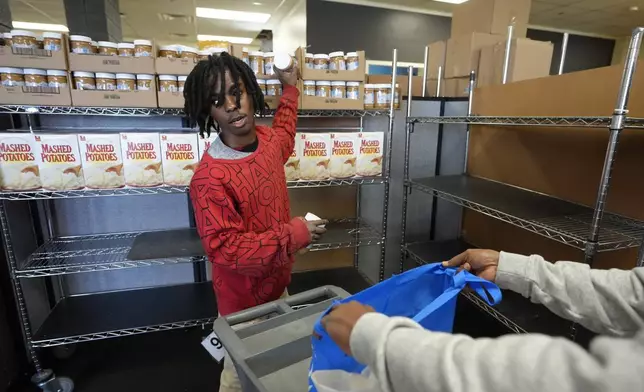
x=273, y=355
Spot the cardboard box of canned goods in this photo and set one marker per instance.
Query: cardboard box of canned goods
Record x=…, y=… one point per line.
x=114, y=90
x=329, y=97
x=179, y=59
x=33, y=86
x=28, y=55
x=321, y=66
x=170, y=94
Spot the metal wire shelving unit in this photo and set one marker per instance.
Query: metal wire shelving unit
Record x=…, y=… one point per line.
x=589, y=229
x=105, y=315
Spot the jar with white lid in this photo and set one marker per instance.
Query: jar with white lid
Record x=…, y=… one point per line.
x=308, y=60
x=323, y=88
x=12, y=77
x=245, y=56
x=338, y=89
x=353, y=61
x=23, y=39
x=268, y=63
x=39, y=41
x=309, y=88
x=125, y=82
x=369, y=96
x=262, y=85
x=256, y=60
x=107, y=48
x=169, y=51
x=353, y=90
x=320, y=61
x=144, y=82
x=383, y=96
x=284, y=61
x=6, y=39
x=142, y=48
x=188, y=52
x=94, y=47
x=105, y=81
x=181, y=81
x=168, y=83
x=57, y=78
x=203, y=55
x=52, y=41
x=336, y=61
x=80, y=44
x=125, y=49
x=84, y=80
x=35, y=77
x=273, y=88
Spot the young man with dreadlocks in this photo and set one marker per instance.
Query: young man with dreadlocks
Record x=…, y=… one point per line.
x=239, y=190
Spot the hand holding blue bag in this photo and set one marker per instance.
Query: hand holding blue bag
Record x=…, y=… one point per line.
x=426, y=294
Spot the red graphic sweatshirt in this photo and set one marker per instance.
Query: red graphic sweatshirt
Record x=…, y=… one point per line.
x=243, y=216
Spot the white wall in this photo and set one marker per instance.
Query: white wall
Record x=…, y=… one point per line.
x=290, y=33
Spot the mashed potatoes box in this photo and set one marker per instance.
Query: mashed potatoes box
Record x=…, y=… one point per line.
x=60, y=162
x=316, y=155
x=292, y=166
x=344, y=154
x=370, y=154
x=19, y=160
x=142, y=159
x=180, y=157
x=102, y=161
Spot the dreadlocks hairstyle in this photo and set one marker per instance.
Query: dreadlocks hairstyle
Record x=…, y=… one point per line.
x=199, y=89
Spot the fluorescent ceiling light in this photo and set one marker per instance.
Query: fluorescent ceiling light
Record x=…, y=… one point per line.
x=452, y=1
x=240, y=16
x=232, y=40
x=40, y=26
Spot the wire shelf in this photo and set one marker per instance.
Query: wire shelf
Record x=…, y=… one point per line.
x=164, y=190
x=105, y=252
x=559, y=220
x=152, y=112
x=593, y=122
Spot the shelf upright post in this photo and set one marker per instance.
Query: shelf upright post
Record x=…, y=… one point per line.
x=508, y=48
x=438, y=82
x=387, y=168
x=425, y=72
x=470, y=99
x=616, y=126
x=564, y=49
x=356, y=251
x=409, y=128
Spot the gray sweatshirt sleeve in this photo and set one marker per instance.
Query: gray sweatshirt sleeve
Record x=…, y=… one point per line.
x=406, y=358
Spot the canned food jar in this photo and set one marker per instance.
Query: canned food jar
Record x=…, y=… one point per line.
x=256, y=60
x=245, y=56
x=369, y=96
x=40, y=44
x=336, y=61
x=262, y=85
x=383, y=96
x=397, y=97
x=273, y=88
x=338, y=89
x=107, y=48
x=309, y=88
x=320, y=61
x=84, y=80
x=353, y=61
x=181, y=81
x=308, y=60
x=188, y=53
x=168, y=83
x=57, y=78
x=23, y=39
x=203, y=55
x=126, y=49
x=52, y=41
x=142, y=48
x=353, y=90
x=35, y=77
x=6, y=39
x=105, y=81
x=80, y=44
x=284, y=61
x=323, y=89
x=144, y=82
x=169, y=51
x=94, y=47
x=125, y=82
x=269, y=57
x=12, y=77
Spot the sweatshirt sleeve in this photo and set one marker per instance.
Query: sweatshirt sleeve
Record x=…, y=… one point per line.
x=604, y=301
x=285, y=121
x=406, y=358
x=230, y=245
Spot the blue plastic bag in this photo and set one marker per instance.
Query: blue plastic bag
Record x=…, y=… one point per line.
x=426, y=294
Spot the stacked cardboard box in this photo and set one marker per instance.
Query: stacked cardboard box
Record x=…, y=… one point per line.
x=528, y=60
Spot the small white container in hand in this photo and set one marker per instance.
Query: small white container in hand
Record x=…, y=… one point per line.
x=311, y=217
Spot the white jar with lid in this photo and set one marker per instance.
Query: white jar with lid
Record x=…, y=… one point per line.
x=323, y=88
x=353, y=61
x=336, y=61
x=81, y=44
x=256, y=60
x=168, y=83
x=320, y=61
x=126, y=49
x=273, y=88
x=57, y=78
x=309, y=88
x=308, y=60
x=35, y=77
x=370, y=96
x=245, y=56
x=125, y=82
x=12, y=77
x=105, y=81
x=23, y=39
x=283, y=61
x=181, y=81
x=52, y=41
x=353, y=90
x=84, y=80
x=338, y=89
x=144, y=82
x=142, y=48
x=107, y=48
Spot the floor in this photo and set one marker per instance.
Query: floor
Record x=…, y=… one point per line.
x=174, y=361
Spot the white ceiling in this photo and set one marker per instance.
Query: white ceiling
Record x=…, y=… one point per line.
x=148, y=18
